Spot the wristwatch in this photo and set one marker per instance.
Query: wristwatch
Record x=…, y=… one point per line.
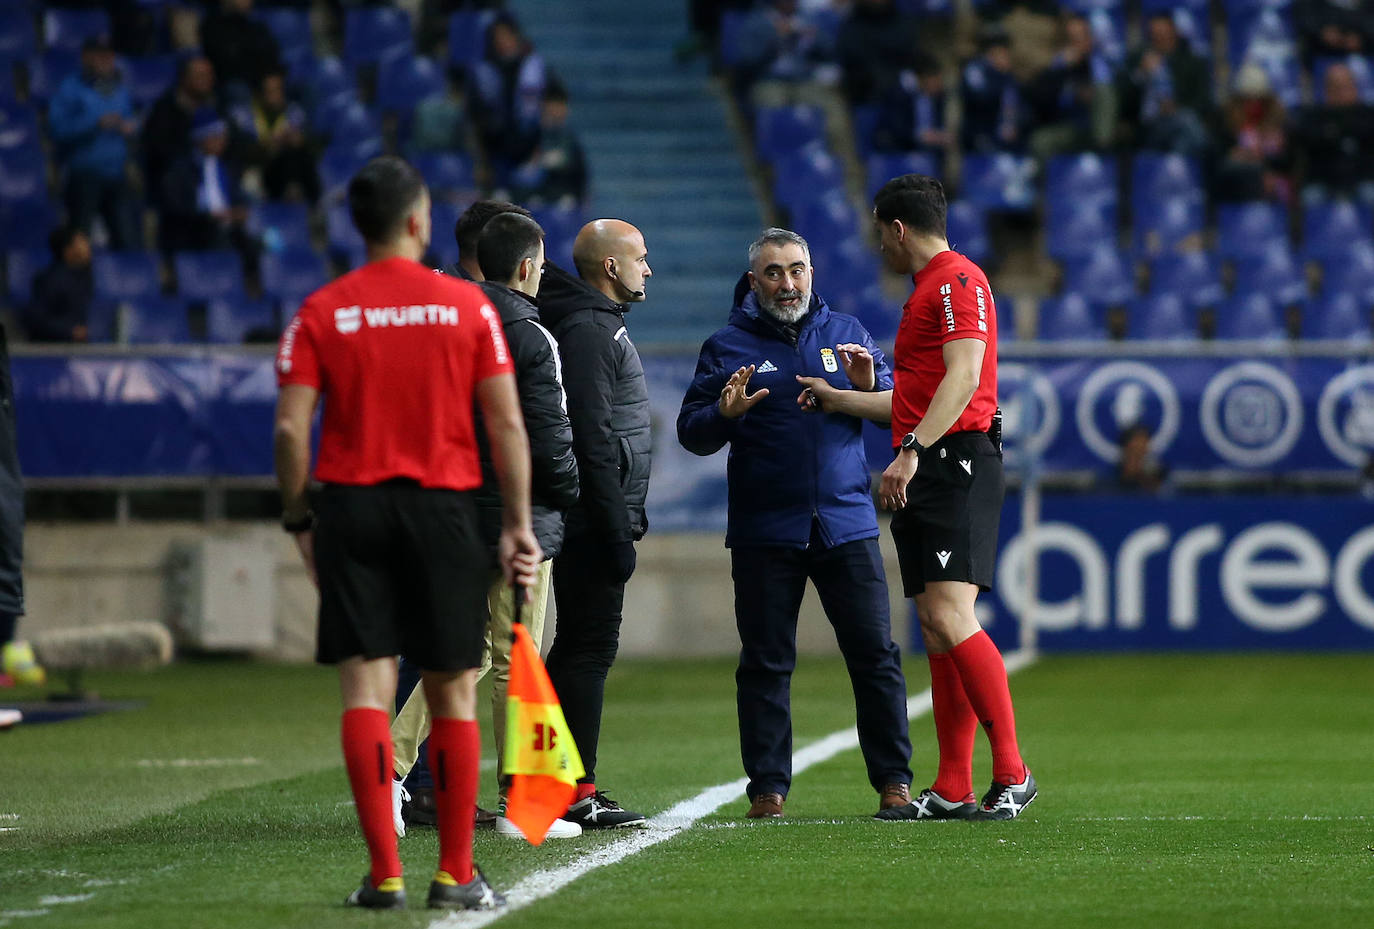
x=301, y=524
x=909, y=444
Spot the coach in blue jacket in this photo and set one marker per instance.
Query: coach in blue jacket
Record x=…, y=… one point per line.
x=800, y=507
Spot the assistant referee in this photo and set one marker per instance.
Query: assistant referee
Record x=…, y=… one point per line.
x=398, y=354
x=946, y=487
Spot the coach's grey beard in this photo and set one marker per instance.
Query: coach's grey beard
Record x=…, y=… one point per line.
x=783, y=312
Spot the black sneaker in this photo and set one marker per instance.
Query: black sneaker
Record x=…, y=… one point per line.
x=929, y=805
x=418, y=808
x=389, y=895
x=1006, y=801
x=445, y=893
x=601, y=812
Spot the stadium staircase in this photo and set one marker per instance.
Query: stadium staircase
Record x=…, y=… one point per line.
x=660, y=151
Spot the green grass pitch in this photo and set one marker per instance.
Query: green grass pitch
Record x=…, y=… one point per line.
x=1195, y=791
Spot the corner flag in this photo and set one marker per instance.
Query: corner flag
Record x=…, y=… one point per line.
x=540, y=756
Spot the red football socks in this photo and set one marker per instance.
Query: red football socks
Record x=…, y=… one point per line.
x=368, y=758
x=455, y=754
x=984, y=677
x=956, y=727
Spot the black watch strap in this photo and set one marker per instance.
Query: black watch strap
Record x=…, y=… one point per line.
x=909, y=443
x=302, y=524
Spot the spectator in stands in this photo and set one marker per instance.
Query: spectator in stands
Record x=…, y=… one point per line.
x=557, y=173
x=241, y=47
x=1257, y=164
x=91, y=118
x=202, y=204
x=276, y=140
x=59, y=308
x=913, y=116
x=507, y=92
x=1075, y=96
x=1138, y=469
x=785, y=53
x=875, y=45
x=167, y=130
x=994, y=107
x=1336, y=140
x=1166, y=92
x=1334, y=28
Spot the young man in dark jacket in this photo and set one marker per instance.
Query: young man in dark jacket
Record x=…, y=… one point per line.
x=608, y=404
x=799, y=507
x=511, y=256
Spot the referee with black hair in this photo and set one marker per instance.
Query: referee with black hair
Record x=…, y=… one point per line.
x=398, y=355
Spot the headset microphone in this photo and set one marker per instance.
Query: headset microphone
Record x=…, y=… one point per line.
x=637, y=294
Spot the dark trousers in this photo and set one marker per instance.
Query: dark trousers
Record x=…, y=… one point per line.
x=91, y=194
x=769, y=584
x=585, y=642
x=407, y=679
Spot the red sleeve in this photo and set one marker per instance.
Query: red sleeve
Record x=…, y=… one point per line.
x=298, y=360
x=493, y=357
x=965, y=305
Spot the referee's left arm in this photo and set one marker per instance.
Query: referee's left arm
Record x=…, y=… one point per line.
x=291, y=447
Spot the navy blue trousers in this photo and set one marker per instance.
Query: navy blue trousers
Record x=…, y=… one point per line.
x=407, y=679
x=769, y=584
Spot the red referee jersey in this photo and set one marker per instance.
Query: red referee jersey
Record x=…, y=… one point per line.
x=397, y=352
x=952, y=300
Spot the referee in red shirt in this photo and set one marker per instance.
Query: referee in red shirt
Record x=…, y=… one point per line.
x=398, y=354
x=946, y=487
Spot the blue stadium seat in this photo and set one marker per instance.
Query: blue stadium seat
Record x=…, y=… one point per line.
x=1109, y=31
x=18, y=38
x=865, y=117
x=870, y=306
x=779, y=130
x=126, y=275
x=1161, y=316
x=374, y=34
x=1352, y=273
x=1102, y=277
x=343, y=237
x=848, y=266
x=733, y=40
x=467, y=36
x=290, y=26
x=1006, y=318
x=1328, y=229
x=25, y=223
x=443, y=217
x=1080, y=178
x=156, y=320
x=48, y=70
x=1194, y=27
x=229, y=320
x=1337, y=316
x=1285, y=78
x=1069, y=318
x=1077, y=233
x=806, y=174
x=351, y=124
x=1251, y=316
x=1258, y=30
x=403, y=82
x=561, y=225
x=292, y=274
x=327, y=78
x=1250, y=229
x=1192, y=276
x=64, y=28
x=327, y=109
x=208, y=275
x=102, y=320
x=883, y=167
x=448, y=174
x=1200, y=7
x=828, y=220
x=23, y=174
x=338, y=164
x=1274, y=272
x=1157, y=177
x=149, y=77
x=1000, y=181
x=280, y=225
x=21, y=267
x=966, y=225
x=1173, y=225
x=19, y=128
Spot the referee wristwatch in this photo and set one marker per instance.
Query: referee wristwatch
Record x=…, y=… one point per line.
x=909, y=444
x=302, y=523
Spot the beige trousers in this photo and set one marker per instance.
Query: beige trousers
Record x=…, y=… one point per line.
x=411, y=725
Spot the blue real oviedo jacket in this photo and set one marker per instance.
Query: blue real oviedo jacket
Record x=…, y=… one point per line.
x=787, y=466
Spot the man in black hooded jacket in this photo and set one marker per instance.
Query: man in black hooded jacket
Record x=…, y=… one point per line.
x=608, y=404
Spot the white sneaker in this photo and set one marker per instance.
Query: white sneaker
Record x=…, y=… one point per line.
x=10, y=718
x=399, y=795
x=559, y=829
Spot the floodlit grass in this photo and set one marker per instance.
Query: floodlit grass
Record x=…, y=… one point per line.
x=1176, y=791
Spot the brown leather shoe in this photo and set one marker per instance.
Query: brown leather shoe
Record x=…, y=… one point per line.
x=765, y=806
x=485, y=817
x=894, y=795
x=421, y=810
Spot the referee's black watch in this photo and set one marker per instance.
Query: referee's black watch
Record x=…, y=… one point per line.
x=910, y=444
x=301, y=524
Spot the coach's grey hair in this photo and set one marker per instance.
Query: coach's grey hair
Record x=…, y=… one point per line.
x=776, y=236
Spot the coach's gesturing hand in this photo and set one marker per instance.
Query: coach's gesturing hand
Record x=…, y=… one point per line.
x=735, y=400
x=892, y=491
x=858, y=365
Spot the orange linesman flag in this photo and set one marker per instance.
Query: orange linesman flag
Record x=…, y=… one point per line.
x=540, y=755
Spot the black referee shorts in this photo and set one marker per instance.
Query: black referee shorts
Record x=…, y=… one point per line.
x=402, y=571
x=948, y=529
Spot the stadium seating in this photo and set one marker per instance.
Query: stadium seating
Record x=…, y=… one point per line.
x=1329, y=228
x=292, y=274
x=848, y=266
x=126, y=275
x=561, y=225
x=290, y=26
x=1161, y=316
x=149, y=77
x=885, y=166
x=1077, y=233
x=1082, y=179
x=21, y=267
x=865, y=117
x=231, y=320
x=1340, y=316
x=448, y=174
x=18, y=38
x=22, y=174
x=779, y=130
x=25, y=223
x=805, y=174
x=156, y=320
x=1249, y=230
x=69, y=28
x=376, y=34
x=352, y=124
x=1252, y=316
x=338, y=164
x=1157, y=178
x=1274, y=272
x=1351, y=273
x=280, y=225
x=1192, y=276
x=207, y=275
x=1069, y=318
x=1176, y=224
x=343, y=239
x=48, y=70
x=402, y=82
x=467, y=37
x=1000, y=181
x=18, y=127
x=1102, y=277
x=966, y=226
x=828, y=220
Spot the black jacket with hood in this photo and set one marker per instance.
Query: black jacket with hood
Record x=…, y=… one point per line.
x=553, y=468
x=608, y=403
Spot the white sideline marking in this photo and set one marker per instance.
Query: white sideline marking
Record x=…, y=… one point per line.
x=57, y=901
x=196, y=762
x=9, y=815
x=669, y=823
x=9, y=829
